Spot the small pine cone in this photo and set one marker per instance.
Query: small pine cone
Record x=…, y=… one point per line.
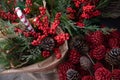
x=95, y=38
x=113, y=43
x=116, y=74
x=98, y=52
x=63, y=68
x=102, y=74
x=85, y=63
x=88, y=77
x=72, y=75
x=115, y=34
x=74, y=57
x=79, y=44
x=47, y=43
x=113, y=56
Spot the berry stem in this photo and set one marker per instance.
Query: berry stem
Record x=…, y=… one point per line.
x=112, y=67
x=90, y=72
x=90, y=59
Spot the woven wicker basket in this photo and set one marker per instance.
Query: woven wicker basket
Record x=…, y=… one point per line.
x=46, y=65
x=112, y=10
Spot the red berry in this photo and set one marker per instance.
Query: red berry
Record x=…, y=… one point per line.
x=58, y=56
x=27, y=10
x=45, y=54
x=88, y=8
x=57, y=53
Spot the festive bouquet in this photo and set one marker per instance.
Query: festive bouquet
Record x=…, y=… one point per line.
x=94, y=49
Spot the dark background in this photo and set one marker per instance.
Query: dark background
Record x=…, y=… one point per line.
x=114, y=23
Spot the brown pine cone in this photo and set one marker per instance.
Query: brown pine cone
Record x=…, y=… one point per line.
x=72, y=75
x=113, y=56
x=78, y=43
x=47, y=43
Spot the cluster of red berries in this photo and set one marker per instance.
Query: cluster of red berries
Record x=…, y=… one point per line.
x=44, y=28
x=8, y=16
x=83, y=9
x=61, y=38
x=56, y=51
x=27, y=10
x=45, y=54
x=28, y=3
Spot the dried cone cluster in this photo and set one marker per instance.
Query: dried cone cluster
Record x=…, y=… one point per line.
x=103, y=49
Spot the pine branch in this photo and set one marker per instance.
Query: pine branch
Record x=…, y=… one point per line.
x=102, y=4
x=93, y=28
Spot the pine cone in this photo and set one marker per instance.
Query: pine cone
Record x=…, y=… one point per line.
x=47, y=43
x=113, y=43
x=63, y=68
x=102, y=74
x=95, y=38
x=72, y=75
x=113, y=56
x=88, y=77
x=85, y=63
x=74, y=57
x=115, y=34
x=79, y=44
x=98, y=52
x=116, y=74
